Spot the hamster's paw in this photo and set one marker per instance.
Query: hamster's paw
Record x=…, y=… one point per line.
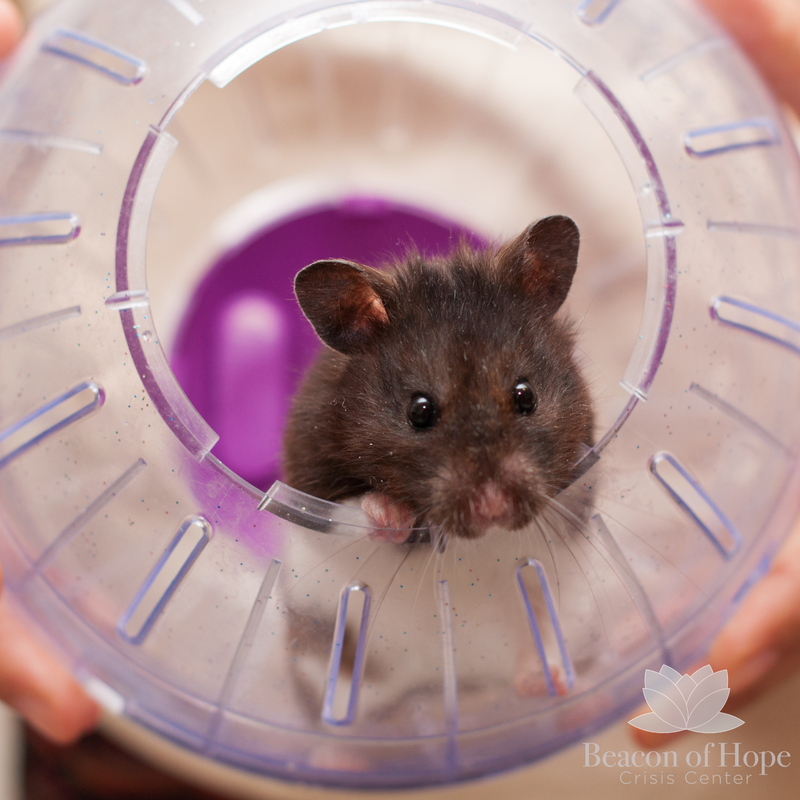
x=392, y=522
x=531, y=681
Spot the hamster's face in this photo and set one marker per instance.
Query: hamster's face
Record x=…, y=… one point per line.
x=450, y=387
x=473, y=423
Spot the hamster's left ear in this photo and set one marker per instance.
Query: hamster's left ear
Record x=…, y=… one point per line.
x=342, y=300
x=544, y=258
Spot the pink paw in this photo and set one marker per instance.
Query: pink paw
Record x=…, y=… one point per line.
x=392, y=522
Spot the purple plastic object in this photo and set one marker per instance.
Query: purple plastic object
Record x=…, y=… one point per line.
x=244, y=344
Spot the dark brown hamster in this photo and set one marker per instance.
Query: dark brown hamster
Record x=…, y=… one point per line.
x=448, y=393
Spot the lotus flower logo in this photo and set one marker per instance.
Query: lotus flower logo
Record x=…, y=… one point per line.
x=686, y=702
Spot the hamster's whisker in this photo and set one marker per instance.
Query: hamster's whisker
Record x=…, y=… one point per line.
x=610, y=559
x=565, y=513
x=548, y=540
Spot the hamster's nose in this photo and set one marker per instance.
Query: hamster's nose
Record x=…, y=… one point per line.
x=491, y=503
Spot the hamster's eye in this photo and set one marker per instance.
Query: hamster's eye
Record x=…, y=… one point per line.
x=422, y=412
x=524, y=397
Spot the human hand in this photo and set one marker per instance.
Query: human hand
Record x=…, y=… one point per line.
x=37, y=685
x=32, y=680
x=769, y=32
x=10, y=27
x=760, y=644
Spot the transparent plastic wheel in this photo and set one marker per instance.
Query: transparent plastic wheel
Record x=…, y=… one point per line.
x=160, y=159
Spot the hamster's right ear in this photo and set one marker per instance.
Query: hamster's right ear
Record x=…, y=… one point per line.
x=341, y=300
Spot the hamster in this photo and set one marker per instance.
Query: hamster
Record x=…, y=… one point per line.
x=448, y=394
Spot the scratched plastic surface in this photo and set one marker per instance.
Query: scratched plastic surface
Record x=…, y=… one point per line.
x=282, y=639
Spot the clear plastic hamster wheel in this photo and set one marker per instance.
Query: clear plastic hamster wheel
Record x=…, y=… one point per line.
x=167, y=165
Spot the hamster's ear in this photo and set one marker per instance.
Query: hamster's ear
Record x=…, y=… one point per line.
x=544, y=258
x=341, y=300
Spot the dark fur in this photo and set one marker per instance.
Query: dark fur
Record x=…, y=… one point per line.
x=462, y=330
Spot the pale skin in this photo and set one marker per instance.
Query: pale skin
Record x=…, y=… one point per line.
x=759, y=646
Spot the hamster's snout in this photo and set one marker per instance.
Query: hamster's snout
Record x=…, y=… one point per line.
x=467, y=501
